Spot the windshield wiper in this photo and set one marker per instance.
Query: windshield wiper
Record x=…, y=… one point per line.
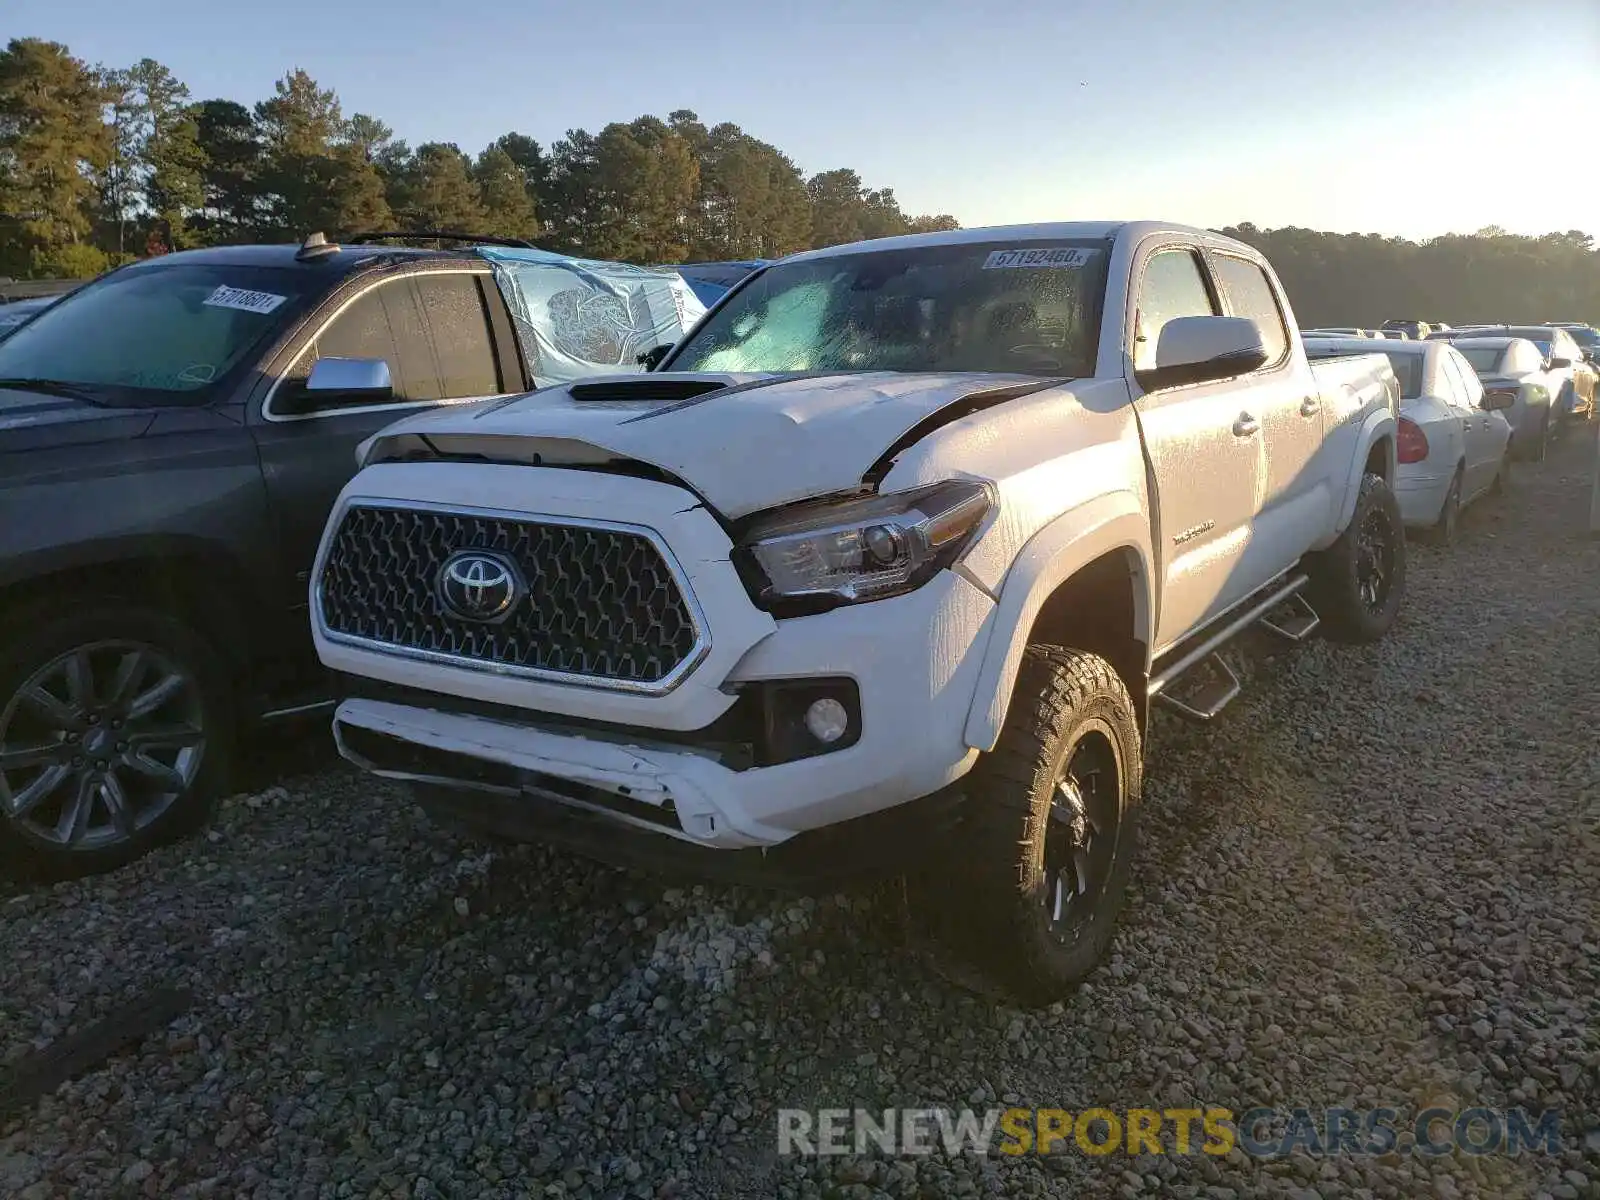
x=57, y=387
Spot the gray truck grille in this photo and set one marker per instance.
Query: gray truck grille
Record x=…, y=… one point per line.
x=597, y=602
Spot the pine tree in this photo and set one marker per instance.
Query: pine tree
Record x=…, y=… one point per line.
x=53, y=143
x=508, y=207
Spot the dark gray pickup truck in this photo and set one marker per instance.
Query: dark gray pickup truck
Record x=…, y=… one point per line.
x=171, y=438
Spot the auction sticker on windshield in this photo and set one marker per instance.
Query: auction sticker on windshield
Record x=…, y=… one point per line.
x=256, y=302
x=1052, y=256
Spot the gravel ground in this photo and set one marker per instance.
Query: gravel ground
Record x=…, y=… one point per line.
x=1372, y=883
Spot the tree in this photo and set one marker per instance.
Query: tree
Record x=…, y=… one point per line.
x=503, y=188
x=171, y=164
x=346, y=195
x=532, y=162
x=440, y=192
x=943, y=223
x=230, y=179
x=116, y=178
x=301, y=118
x=626, y=193
x=836, y=208
x=301, y=176
x=752, y=200
x=881, y=216
x=368, y=136
x=53, y=142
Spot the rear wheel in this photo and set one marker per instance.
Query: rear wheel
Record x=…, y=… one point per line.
x=1540, y=449
x=1443, y=531
x=1566, y=404
x=115, y=732
x=1502, y=477
x=1031, y=894
x=1358, y=582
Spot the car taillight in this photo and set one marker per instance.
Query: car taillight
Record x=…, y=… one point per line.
x=1413, y=446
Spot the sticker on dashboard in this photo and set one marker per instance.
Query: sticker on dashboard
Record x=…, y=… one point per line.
x=247, y=301
x=1050, y=256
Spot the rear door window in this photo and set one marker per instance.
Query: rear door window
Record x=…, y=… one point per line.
x=1250, y=294
x=458, y=332
x=1461, y=381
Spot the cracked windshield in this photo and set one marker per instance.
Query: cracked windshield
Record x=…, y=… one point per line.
x=599, y=604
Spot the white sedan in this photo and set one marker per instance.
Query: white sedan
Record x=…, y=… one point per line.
x=1453, y=436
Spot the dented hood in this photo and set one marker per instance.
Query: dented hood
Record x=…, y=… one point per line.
x=752, y=442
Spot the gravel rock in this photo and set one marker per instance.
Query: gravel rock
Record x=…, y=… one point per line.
x=1373, y=882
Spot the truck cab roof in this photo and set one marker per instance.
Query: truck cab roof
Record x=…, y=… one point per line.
x=339, y=262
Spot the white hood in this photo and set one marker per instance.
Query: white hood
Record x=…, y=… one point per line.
x=767, y=441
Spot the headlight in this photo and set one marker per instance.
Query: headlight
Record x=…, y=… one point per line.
x=815, y=556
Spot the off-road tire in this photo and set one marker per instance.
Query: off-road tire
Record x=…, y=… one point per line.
x=985, y=904
x=52, y=632
x=1336, y=573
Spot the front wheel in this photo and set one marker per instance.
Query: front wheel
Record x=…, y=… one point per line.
x=115, y=732
x=1039, y=869
x=1358, y=582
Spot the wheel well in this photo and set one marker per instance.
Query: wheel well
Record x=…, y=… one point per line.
x=1097, y=610
x=209, y=594
x=1380, y=460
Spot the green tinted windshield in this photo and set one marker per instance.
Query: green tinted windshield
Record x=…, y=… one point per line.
x=164, y=332
x=1030, y=309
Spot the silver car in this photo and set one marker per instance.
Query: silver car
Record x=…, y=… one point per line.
x=1516, y=365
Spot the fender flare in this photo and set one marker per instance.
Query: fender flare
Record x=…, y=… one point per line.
x=1377, y=425
x=1049, y=558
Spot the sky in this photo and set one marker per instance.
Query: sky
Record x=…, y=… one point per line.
x=1410, y=118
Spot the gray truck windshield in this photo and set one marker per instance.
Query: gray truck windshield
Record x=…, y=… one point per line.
x=1028, y=308
x=153, y=335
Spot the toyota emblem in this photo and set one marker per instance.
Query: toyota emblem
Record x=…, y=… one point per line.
x=478, y=587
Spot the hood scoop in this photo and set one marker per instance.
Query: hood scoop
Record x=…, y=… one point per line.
x=643, y=390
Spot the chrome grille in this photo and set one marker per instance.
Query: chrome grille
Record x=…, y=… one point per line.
x=602, y=602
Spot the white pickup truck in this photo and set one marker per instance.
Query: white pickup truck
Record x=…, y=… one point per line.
x=882, y=566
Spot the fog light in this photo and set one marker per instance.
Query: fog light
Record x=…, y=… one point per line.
x=827, y=720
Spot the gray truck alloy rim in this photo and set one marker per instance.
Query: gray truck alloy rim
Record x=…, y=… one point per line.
x=1375, y=551
x=1080, y=842
x=98, y=743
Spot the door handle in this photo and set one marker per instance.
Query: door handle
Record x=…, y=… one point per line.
x=1310, y=406
x=1246, y=426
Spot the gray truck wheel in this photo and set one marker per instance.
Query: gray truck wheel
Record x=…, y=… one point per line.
x=116, y=727
x=1358, y=582
x=1040, y=866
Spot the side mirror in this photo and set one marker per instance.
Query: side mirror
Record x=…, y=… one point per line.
x=336, y=382
x=1498, y=401
x=1558, y=363
x=1200, y=349
x=358, y=378
x=651, y=358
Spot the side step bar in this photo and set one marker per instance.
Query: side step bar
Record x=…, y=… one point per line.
x=1295, y=625
x=1225, y=687
x=1212, y=698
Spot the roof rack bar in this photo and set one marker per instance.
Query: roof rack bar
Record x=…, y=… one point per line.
x=438, y=235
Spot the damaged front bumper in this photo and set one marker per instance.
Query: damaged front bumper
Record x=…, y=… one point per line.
x=711, y=763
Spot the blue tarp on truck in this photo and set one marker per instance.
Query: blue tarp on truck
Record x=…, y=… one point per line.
x=577, y=317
